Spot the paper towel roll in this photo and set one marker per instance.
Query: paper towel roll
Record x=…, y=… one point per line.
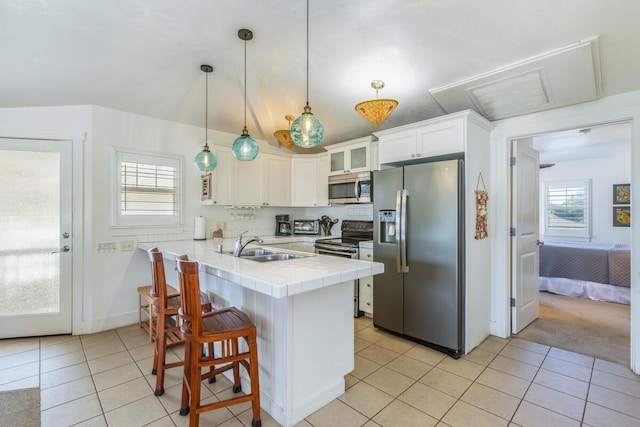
x=199, y=229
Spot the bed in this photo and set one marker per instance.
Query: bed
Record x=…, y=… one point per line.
x=599, y=271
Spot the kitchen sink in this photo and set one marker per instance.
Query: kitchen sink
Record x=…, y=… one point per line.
x=253, y=252
x=275, y=257
x=257, y=252
x=266, y=255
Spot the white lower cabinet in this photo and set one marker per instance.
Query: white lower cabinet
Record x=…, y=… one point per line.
x=365, y=289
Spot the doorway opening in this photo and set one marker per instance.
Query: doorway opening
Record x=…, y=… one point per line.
x=582, y=307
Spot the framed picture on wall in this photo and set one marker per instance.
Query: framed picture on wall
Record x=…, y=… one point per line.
x=621, y=194
x=622, y=216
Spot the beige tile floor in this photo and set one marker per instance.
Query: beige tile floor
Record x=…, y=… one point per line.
x=104, y=379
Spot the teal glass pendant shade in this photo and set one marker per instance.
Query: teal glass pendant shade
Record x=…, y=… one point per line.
x=307, y=131
x=205, y=160
x=245, y=148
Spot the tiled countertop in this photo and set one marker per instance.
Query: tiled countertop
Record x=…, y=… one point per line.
x=278, y=279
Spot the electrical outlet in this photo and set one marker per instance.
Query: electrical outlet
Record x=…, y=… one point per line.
x=106, y=247
x=126, y=245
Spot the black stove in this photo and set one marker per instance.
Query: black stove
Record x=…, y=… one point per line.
x=353, y=232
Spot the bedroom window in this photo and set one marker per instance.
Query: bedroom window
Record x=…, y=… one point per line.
x=568, y=208
x=147, y=189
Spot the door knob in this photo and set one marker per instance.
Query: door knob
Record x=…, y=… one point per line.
x=65, y=235
x=65, y=248
x=539, y=243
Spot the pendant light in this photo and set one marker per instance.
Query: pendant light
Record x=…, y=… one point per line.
x=205, y=160
x=284, y=135
x=307, y=131
x=245, y=148
x=376, y=110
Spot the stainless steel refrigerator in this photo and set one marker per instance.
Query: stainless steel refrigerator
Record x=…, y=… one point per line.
x=419, y=236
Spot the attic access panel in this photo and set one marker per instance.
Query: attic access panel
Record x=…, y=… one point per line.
x=566, y=76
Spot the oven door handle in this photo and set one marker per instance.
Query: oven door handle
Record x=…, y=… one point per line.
x=345, y=254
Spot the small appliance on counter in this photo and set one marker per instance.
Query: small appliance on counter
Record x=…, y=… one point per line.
x=326, y=223
x=306, y=226
x=283, y=226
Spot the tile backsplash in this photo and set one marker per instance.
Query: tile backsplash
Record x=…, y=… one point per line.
x=260, y=222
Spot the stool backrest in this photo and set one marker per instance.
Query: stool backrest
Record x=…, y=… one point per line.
x=191, y=306
x=158, y=279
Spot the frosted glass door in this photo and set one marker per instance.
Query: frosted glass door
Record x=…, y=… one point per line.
x=337, y=161
x=35, y=243
x=359, y=158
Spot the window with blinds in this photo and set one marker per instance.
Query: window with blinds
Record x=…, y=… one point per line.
x=148, y=189
x=567, y=208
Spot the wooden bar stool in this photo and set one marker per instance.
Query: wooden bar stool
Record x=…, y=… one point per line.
x=226, y=327
x=167, y=329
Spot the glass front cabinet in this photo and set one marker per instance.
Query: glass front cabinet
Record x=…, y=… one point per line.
x=350, y=156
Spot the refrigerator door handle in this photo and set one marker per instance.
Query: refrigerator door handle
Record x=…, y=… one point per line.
x=398, y=228
x=403, y=232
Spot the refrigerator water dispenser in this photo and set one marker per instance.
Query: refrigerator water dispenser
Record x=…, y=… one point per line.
x=387, y=226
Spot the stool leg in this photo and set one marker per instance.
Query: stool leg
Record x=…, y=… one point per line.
x=212, y=368
x=161, y=351
x=194, y=385
x=154, y=369
x=255, y=381
x=186, y=389
x=237, y=385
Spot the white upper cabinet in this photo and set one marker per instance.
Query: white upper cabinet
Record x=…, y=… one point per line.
x=265, y=181
x=350, y=156
x=248, y=180
x=429, y=138
x=309, y=185
x=276, y=181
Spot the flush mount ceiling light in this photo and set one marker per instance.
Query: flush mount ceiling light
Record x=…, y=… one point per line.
x=245, y=148
x=205, y=160
x=284, y=135
x=307, y=131
x=376, y=110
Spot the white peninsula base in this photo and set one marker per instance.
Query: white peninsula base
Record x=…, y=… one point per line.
x=305, y=342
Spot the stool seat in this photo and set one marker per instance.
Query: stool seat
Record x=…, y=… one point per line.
x=229, y=321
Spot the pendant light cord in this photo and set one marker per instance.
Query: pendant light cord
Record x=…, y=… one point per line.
x=245, y=83
x=206, y=109
x=307, y=52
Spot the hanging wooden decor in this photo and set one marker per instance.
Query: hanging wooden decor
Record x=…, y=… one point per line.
x=481, y=210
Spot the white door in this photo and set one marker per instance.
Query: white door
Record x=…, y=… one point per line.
x=525, y=257
x=35, y=241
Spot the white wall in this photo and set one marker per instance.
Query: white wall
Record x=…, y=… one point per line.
x=104, y=288
x=603, y=173
x=605, y=110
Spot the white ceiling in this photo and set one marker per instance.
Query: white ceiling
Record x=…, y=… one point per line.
x=598, y=142
x=144, y=56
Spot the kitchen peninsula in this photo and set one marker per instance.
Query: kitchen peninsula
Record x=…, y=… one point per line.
x=303, y=311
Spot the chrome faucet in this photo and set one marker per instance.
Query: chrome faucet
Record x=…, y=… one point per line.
x=238, y=247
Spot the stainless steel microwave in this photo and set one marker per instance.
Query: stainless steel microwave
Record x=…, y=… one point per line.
x=351, y=188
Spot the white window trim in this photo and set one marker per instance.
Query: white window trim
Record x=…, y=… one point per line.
x=143, y=221
x=581, y=234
